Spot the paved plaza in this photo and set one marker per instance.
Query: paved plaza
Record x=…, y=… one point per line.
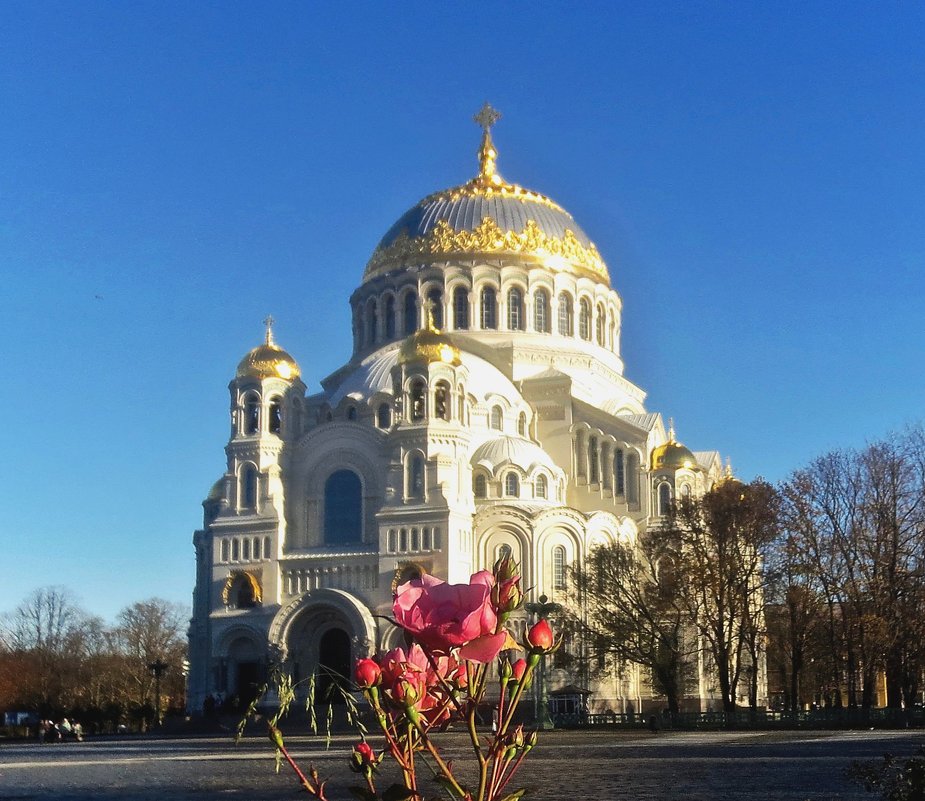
x=584, y=766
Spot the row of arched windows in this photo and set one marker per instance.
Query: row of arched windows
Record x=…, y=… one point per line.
x=512, y=487
x=341, y=577
x=603, y=463
x=244, y=549
x=384, y=319
x=413, y=540
x=251, y=414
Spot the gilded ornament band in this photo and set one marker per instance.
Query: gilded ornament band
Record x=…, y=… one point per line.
x=488, y=238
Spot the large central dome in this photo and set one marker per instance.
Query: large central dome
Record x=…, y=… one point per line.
x=488, y=217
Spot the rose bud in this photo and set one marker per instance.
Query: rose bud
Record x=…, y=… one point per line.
x=368, y=673
x=540, y=635
x=518, y=669
x=505, y=569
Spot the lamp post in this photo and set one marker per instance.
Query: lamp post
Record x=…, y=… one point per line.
x=543, y=609
x=157, y=668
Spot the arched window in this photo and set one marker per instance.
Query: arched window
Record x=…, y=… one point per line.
x=372, y=322
x=558, y=568
x=351, y=412
x=415, y=540
x=403, y=540
x=244, y=594
x=612, y=342
x=522, y=424
x=266, y=548
x=390, y=317
x=618, y=472
x=427, y=542
x=462, y=406
x=442, y=401
x=565, y=314
x=390, y=541
x=594, y=473
x=480, y=485
x=489, y=308
x=249, y=487
x=416, y=476
x=246, y=549
x=540, y=487
x=632, y=478
x=461, y=308
x=664, y=498
x=411, y=313
x=435, y=301
x=225, y=550
x=685, y=490
x=235, y=550
x=256, y=547
x=418, y=400
x=541, y=311
x=384, y=415
x=251, y=414
x=600, y=323
x=580, y=457
x=584, y=319
x=343, y=508
x=276, y=415
x=504, y=552
x=512, y=485
x=515, y=309
x=497, y=418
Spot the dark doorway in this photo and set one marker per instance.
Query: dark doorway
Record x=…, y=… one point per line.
x=248, y=684
x=334, y=666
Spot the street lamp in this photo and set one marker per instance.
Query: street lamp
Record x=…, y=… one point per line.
x=543, y=609
x=157, y=668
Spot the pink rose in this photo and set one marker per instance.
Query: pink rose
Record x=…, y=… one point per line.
x=444, y=616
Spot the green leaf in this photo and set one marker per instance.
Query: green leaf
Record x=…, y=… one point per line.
x=397, y=792
x=515, y=795
x=363, y=793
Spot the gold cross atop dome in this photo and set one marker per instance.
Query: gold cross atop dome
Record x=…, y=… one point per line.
x=268, y=322
x=487, y=117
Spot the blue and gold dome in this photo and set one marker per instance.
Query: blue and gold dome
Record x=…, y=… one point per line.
x=488, y=217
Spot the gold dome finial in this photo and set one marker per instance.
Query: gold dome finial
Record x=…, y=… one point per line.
x=728, y=473
x=268, y=322
x=671, y=429
x=487, y=117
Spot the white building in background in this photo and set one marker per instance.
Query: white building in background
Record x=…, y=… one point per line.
x=484, y=407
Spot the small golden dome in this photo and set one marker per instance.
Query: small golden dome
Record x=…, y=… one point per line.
x=269, y=360
x=428, y=345
x=217, y=492
x=672, y=455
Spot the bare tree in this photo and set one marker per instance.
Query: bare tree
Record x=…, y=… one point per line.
x=719, y=542
x=626, y=608
x=149, y=632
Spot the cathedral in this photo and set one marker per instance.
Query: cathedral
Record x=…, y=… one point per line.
x=483, y=410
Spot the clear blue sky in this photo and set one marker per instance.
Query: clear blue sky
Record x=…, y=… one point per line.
x=753, y=174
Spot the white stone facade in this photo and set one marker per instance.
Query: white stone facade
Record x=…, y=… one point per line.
x=513, y=428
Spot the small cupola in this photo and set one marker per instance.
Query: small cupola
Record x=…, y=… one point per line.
x=269, y=360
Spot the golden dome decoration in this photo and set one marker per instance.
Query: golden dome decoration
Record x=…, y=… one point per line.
x=269, y=360
x=672, y=455
x=428, y=345
x=489, y=217
x=217, y=492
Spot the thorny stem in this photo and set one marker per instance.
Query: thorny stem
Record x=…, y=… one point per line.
x=317, y=788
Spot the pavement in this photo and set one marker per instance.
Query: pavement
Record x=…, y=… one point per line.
x=565, y=766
